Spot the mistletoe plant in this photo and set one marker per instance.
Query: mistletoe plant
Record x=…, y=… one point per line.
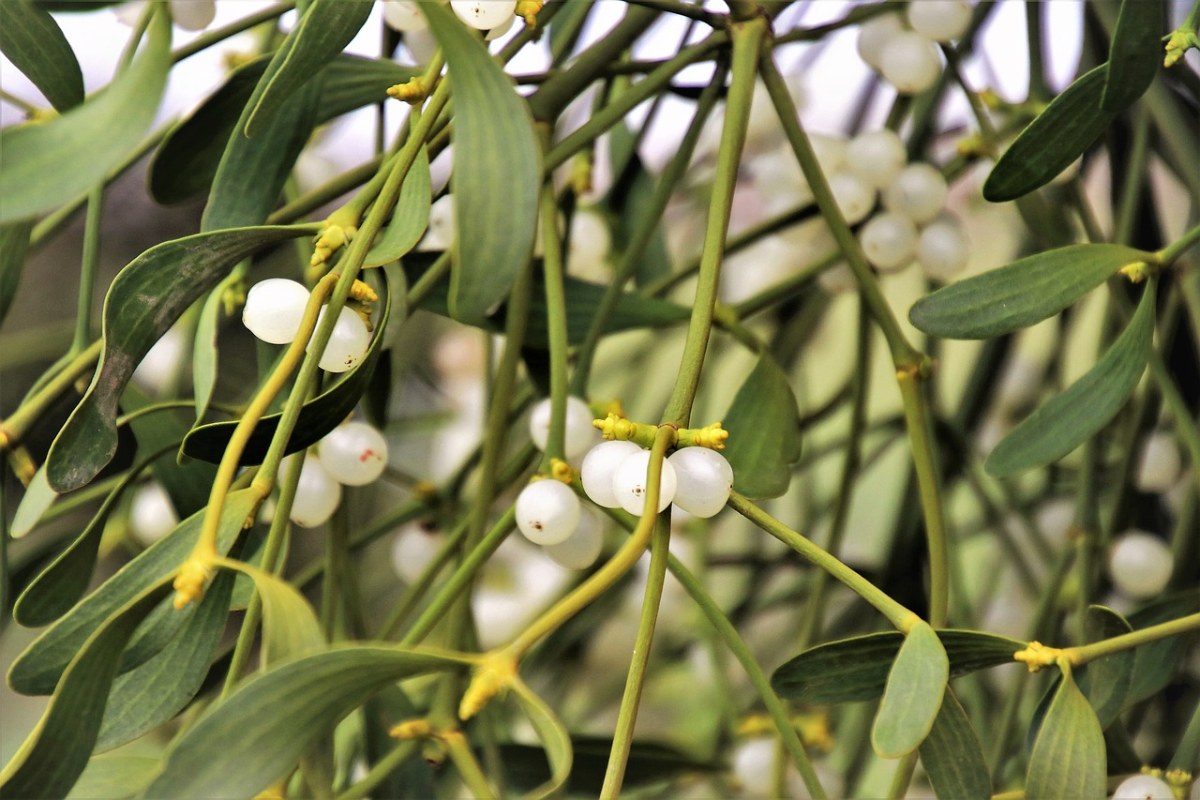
x=977, y=580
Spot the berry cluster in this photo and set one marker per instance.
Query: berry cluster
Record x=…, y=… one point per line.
x=273, y=311
x=907, y=55
x=353, y=454
x=494, y=16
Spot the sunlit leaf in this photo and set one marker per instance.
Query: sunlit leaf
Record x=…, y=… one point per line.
x=764, y=432
x=1018, y=295
x=1066, y=421
x=1068, y=757
x=497, y=171
x=913, y=694
x=50, y=163
x=144, y=300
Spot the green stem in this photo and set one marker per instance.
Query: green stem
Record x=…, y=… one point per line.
x=1038, y=90
x=218, y=35
x=1132, y=183
x=468, y=767
x=682, y=9
x=1175, y=249
x=174, y=405
x=429, y=279
x=20, y=102
x=1187, y=753
x=16, y=426
x=414, y=593
x=326, y=192
x=381, y=770
x=89, y=264
x=748, y=38
x=899, y=616
x=635, y=678
x=1082, y=654
x=556, y=323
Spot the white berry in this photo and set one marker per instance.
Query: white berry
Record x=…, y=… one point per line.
x=1143, y=787
x=889, y=241
x=317, y=495
x=629, y=483
x=599, y=466
x=274, y=308
x=910, y=62
x=194, y=15
x=151, y=514
x=440, y=233
x=354, y=454
x=581, y=549
x=830, y=150
x=943, y=249
x=874, y=34
x=854, y=196
x=1140, y=564
x=483, y=15
x=940, y=20
x=837, y=279
x=578, y=431
x=919, y=192
x=404, y=15
x=413, y=549
x=703, y=480
x=347, y=344
x=1159, y=463
x=876, y=156
x=547, y=512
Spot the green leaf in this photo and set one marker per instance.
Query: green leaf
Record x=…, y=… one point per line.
x=856, y=669
x=144, y=300
x=410, y=217
x=35, y=44
x=1135, y=54
x=37, y=669
x=156, y=690
x=252, y=173
x=185, y=164
x=50, y=163
x=317, y=417
x=323, y=32
x=526, y=766
x=290, y=626
x=60, y=585
x=57, y=750
x=34, y=503
x=1055, y=138
x=1157, y=663
x=1018, y=295
x=554, y=738
x=913, y=694
x=953, y=757
x=278, y=715
x=497, y=172
x=204, y=347
x=114, y=777
x=1105, y=682
x=188, y=485
x=1068, y=758
x=764, y=431
x=14, y=244
x=1066, y=421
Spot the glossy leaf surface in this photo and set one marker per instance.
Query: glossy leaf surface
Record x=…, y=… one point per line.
x=145, y=299
x=764, y=432
x=497, y=172
x=1066, y=421
x=1018, y=295
x=913, y=694
x=50, y=163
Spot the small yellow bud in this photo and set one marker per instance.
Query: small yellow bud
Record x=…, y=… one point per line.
x=561, y=471
x=528, y=11
x=412, y=91
x=1038, y=655
x=494, y=674
x=363, y=292
x=189, y=584
x=411, y=729
x=1136, y=272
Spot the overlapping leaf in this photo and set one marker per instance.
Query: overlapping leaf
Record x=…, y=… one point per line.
x=1134, y=55
x=913, y=694
x=764, y=431
x=35, y=44
x=1068, y=757
x=953, y=757
x=1105, y=682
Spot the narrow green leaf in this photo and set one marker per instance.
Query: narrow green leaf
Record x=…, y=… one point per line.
x=1105, y=682
x=290, y=626
x=57, y=750
x=1066, y=421
x=278, y=715
x=764, y=431
x=50, y=163
x=35, y=44
x=855, y=669
x=144, y=300
x=34, y=503
x=114, y=777
x=1068, y=758
x=188, y=485
x=323, y=32
x=913, y=695
x=185, y=163
x=1135, y=53
x=1018, y=295
x=410, y=217
x=156, y=690
x=60, y=585
x=497, y=171
x=1157, y=663
x=1055, y=138
x=953, y=757
x=526, y=766
x=317, y=417
x=204, y=348
x=554, y=738
x=37, y=669
x=14, y=244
